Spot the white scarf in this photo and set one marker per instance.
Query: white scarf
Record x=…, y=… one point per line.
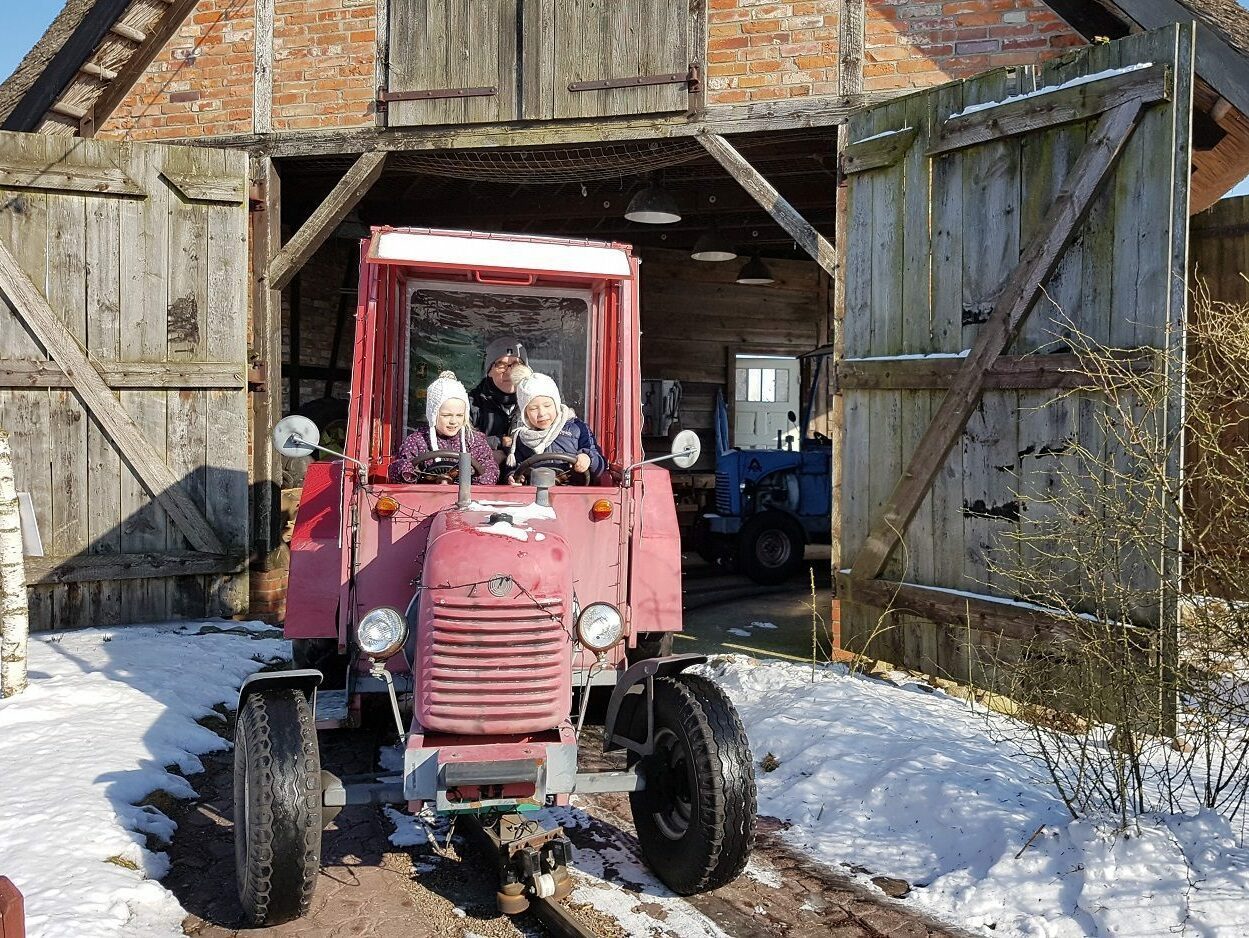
x=539, y=440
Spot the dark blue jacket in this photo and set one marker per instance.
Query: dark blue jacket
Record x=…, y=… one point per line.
x=576, y=437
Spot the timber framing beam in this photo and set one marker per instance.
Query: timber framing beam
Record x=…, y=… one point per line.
x=772, y=201
x=1021, y=292
x=321, y=224
x=34, y=312
x=722, y=119
x=172, y=376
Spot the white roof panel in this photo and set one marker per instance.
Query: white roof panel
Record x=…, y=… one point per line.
x=499, y=253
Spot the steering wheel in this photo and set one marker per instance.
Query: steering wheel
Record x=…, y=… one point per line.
x=446, y=468
x=538, y=460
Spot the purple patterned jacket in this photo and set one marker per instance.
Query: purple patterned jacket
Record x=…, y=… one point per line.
x=417, y=444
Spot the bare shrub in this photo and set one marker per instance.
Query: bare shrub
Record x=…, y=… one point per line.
x=1135, y=533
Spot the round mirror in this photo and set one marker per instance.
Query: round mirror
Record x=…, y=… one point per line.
x=296, y=436
x=686, y=448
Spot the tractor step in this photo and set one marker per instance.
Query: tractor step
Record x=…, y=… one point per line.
x=331, y=709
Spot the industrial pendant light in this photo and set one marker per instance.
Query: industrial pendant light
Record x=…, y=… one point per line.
x=755, y=273
x=653, y=205
x=713, y=246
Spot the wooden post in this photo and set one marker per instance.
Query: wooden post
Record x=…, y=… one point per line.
x=14, y=621
x=262, y=84
x=266, y=350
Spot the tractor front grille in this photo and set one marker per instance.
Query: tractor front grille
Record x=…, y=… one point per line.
x=724, y=497
x=497, y=666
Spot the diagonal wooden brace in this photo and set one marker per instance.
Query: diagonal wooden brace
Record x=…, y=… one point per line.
x=33, y=310
x=1018, y=296
x=771, y=201
x=321, y=224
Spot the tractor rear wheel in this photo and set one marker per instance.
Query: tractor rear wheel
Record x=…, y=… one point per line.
x=277, y=806
x=771, y=548
x=696, y=816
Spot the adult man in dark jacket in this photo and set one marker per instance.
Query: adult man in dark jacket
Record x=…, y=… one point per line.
x=493, y=401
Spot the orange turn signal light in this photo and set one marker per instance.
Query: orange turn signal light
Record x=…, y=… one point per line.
x=386, y=506
x=601, y=509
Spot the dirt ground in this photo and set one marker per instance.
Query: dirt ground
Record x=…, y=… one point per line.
x=369, y=888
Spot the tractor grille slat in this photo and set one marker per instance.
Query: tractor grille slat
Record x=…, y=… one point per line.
x=489, y=666
x=724, y=501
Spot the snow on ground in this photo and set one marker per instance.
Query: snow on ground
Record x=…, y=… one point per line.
x=105, y=712
x=904, y=782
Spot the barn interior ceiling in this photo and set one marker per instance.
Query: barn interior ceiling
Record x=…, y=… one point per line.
x=583, y=191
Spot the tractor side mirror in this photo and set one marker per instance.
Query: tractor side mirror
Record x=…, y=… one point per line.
x=686, y=448
x=296, y=436
x=793, y=418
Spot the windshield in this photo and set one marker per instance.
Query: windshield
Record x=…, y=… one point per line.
x=450, y=329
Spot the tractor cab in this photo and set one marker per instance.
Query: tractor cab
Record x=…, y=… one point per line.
x=485, y=614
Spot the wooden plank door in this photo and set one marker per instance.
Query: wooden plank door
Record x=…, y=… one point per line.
x=451, y=62
x=597, y=58
x=988, y=222
x=123, y=374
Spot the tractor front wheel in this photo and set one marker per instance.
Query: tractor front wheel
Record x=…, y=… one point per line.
x=277, y=806
x=771, y=548
x=696, y=816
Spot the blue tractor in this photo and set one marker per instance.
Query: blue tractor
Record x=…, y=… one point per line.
x=771, y=503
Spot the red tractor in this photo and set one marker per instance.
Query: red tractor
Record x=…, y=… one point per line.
x=486, y=614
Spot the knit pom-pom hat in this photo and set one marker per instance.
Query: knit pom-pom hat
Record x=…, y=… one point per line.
x=446, y=387
x=536, y=385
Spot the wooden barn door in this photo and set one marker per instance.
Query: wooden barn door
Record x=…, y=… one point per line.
x=980, y=228
x=123, y=374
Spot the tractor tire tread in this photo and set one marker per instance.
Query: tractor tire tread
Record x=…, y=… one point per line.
x=286, y=806
x=724, y=770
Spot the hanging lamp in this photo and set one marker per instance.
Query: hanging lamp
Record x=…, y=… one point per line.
x=755, y=273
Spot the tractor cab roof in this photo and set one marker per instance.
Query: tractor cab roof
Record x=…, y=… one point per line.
x=509, y=255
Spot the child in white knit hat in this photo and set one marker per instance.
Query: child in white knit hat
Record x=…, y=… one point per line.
x=446, y=428
x=547, y=426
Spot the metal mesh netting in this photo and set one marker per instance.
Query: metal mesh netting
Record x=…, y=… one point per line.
x=583, y=162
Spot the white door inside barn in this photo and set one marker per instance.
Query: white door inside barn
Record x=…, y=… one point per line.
x=997, y=229
x=766, y=392
x=123, y=374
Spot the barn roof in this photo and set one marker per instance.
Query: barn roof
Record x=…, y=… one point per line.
x=38, y=59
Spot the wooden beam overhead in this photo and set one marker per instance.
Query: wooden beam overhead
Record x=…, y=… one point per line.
x=722, y=119
x=772, y=201
x=1016, y=300
x=317, y=229
x=33, y=311
x=1010, y=372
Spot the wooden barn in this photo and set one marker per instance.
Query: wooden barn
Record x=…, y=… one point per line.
x=183, y=184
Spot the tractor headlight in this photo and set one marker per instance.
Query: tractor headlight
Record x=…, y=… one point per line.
x=381, y=632
x=600, y=626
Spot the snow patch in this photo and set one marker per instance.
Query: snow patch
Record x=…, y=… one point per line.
x=913, y=356
x=87, y=741
x=883, y=134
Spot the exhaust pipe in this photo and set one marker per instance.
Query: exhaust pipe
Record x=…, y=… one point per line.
x=466, y=480
x=543, y=479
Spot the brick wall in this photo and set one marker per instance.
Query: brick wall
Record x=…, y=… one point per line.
x=200, y=84
x=911, y=45
x=759, y=50
x=323, y=56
